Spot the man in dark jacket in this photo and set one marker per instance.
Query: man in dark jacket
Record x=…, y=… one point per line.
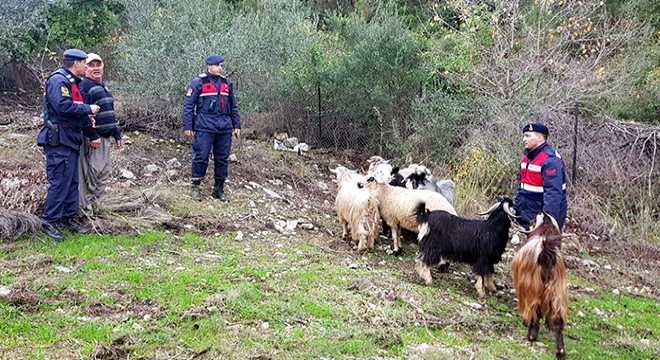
x=542, y=178
x=210, y=115
x=95, y=164
x=65, y=115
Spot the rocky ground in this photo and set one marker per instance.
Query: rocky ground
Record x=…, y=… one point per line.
x=270, y=190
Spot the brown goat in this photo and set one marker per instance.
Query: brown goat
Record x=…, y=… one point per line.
x=539, y=276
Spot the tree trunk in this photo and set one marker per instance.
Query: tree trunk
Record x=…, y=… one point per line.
x=17, y=74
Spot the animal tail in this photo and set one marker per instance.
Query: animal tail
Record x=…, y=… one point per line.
x=539, y=276
x=421, y=214
x=422, y=217
x=549, y=251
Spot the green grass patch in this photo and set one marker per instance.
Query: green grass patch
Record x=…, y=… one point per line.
x=289, y=301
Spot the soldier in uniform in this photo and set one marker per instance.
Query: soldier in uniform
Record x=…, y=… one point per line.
x=542, y=178
x=65, y=115
x=210, y=115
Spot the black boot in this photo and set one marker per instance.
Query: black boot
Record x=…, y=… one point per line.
x=219, y=192
x=51, y=230
x=195, y=192
x=73, y=225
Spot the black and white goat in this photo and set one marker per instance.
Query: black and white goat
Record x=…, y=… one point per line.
x=479, y=243
x=422, y=179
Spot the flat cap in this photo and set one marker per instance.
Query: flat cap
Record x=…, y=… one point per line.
x=92, y=57
x=74, y=54
x=536, y=127
x=214, y=59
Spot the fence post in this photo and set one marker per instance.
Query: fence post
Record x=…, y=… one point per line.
x=318, y=94
x=576, y=112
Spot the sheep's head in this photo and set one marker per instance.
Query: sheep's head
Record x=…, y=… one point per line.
x=374, y=160
x=503, y=202
x=373, y=182
x=422, y=170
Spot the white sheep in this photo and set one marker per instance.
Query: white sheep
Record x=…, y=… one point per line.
x=356, y=209
x=397, y=205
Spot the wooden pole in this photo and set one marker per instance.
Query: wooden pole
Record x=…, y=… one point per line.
x=318, y=95
x=576, y=112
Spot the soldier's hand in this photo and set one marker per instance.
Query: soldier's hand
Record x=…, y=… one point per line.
x=237, y=133
x=188, y=132
x=92, y=120
x=119, y=144
x=95, y=109
x=95, y=143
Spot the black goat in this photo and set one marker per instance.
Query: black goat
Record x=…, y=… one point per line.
x=423, y=180
x=479, y=243
x=397, y=179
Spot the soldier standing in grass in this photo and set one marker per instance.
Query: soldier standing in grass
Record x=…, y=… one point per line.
x=65, y=116
x=210, y=115
x=95, y=160
x=542, y=178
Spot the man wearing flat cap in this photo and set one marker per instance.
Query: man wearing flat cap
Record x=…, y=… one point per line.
x=542, y=178
x=65, y=116
x=210, y=115
x=95, y=164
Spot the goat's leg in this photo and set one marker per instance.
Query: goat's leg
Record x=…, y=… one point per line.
x=423, y=271
x=362, y=244
x=559, y=343
x=479, y=285
x=344, y=229
x=557, y=325
x=490, y=282
x=396, y=241
x=533, y=331
x=370, y=241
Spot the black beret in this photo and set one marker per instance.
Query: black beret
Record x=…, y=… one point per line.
x=74, y=54
x=214, y=59
x=536, y=127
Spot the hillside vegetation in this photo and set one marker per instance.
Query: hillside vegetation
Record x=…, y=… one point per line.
x=446, y=83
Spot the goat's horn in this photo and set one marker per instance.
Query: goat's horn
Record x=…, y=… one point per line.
x=492, y=208
x=507, y=210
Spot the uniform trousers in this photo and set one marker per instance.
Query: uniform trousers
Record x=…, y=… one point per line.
x=62, y=174
x=201, y=149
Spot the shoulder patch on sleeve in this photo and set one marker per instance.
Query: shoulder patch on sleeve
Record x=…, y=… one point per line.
x=65, y=91
x=189, y=92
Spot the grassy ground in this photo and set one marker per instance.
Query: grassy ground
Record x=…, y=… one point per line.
x=171, y=280
x=274, y=296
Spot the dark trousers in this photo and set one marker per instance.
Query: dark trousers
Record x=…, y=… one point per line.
x=201, y=149
x=62, y=174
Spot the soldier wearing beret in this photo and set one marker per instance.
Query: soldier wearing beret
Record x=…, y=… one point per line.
x=542, y=178
x=65, y=116
x=210, y=115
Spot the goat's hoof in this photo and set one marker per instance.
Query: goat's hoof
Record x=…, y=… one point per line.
x=561, y=355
